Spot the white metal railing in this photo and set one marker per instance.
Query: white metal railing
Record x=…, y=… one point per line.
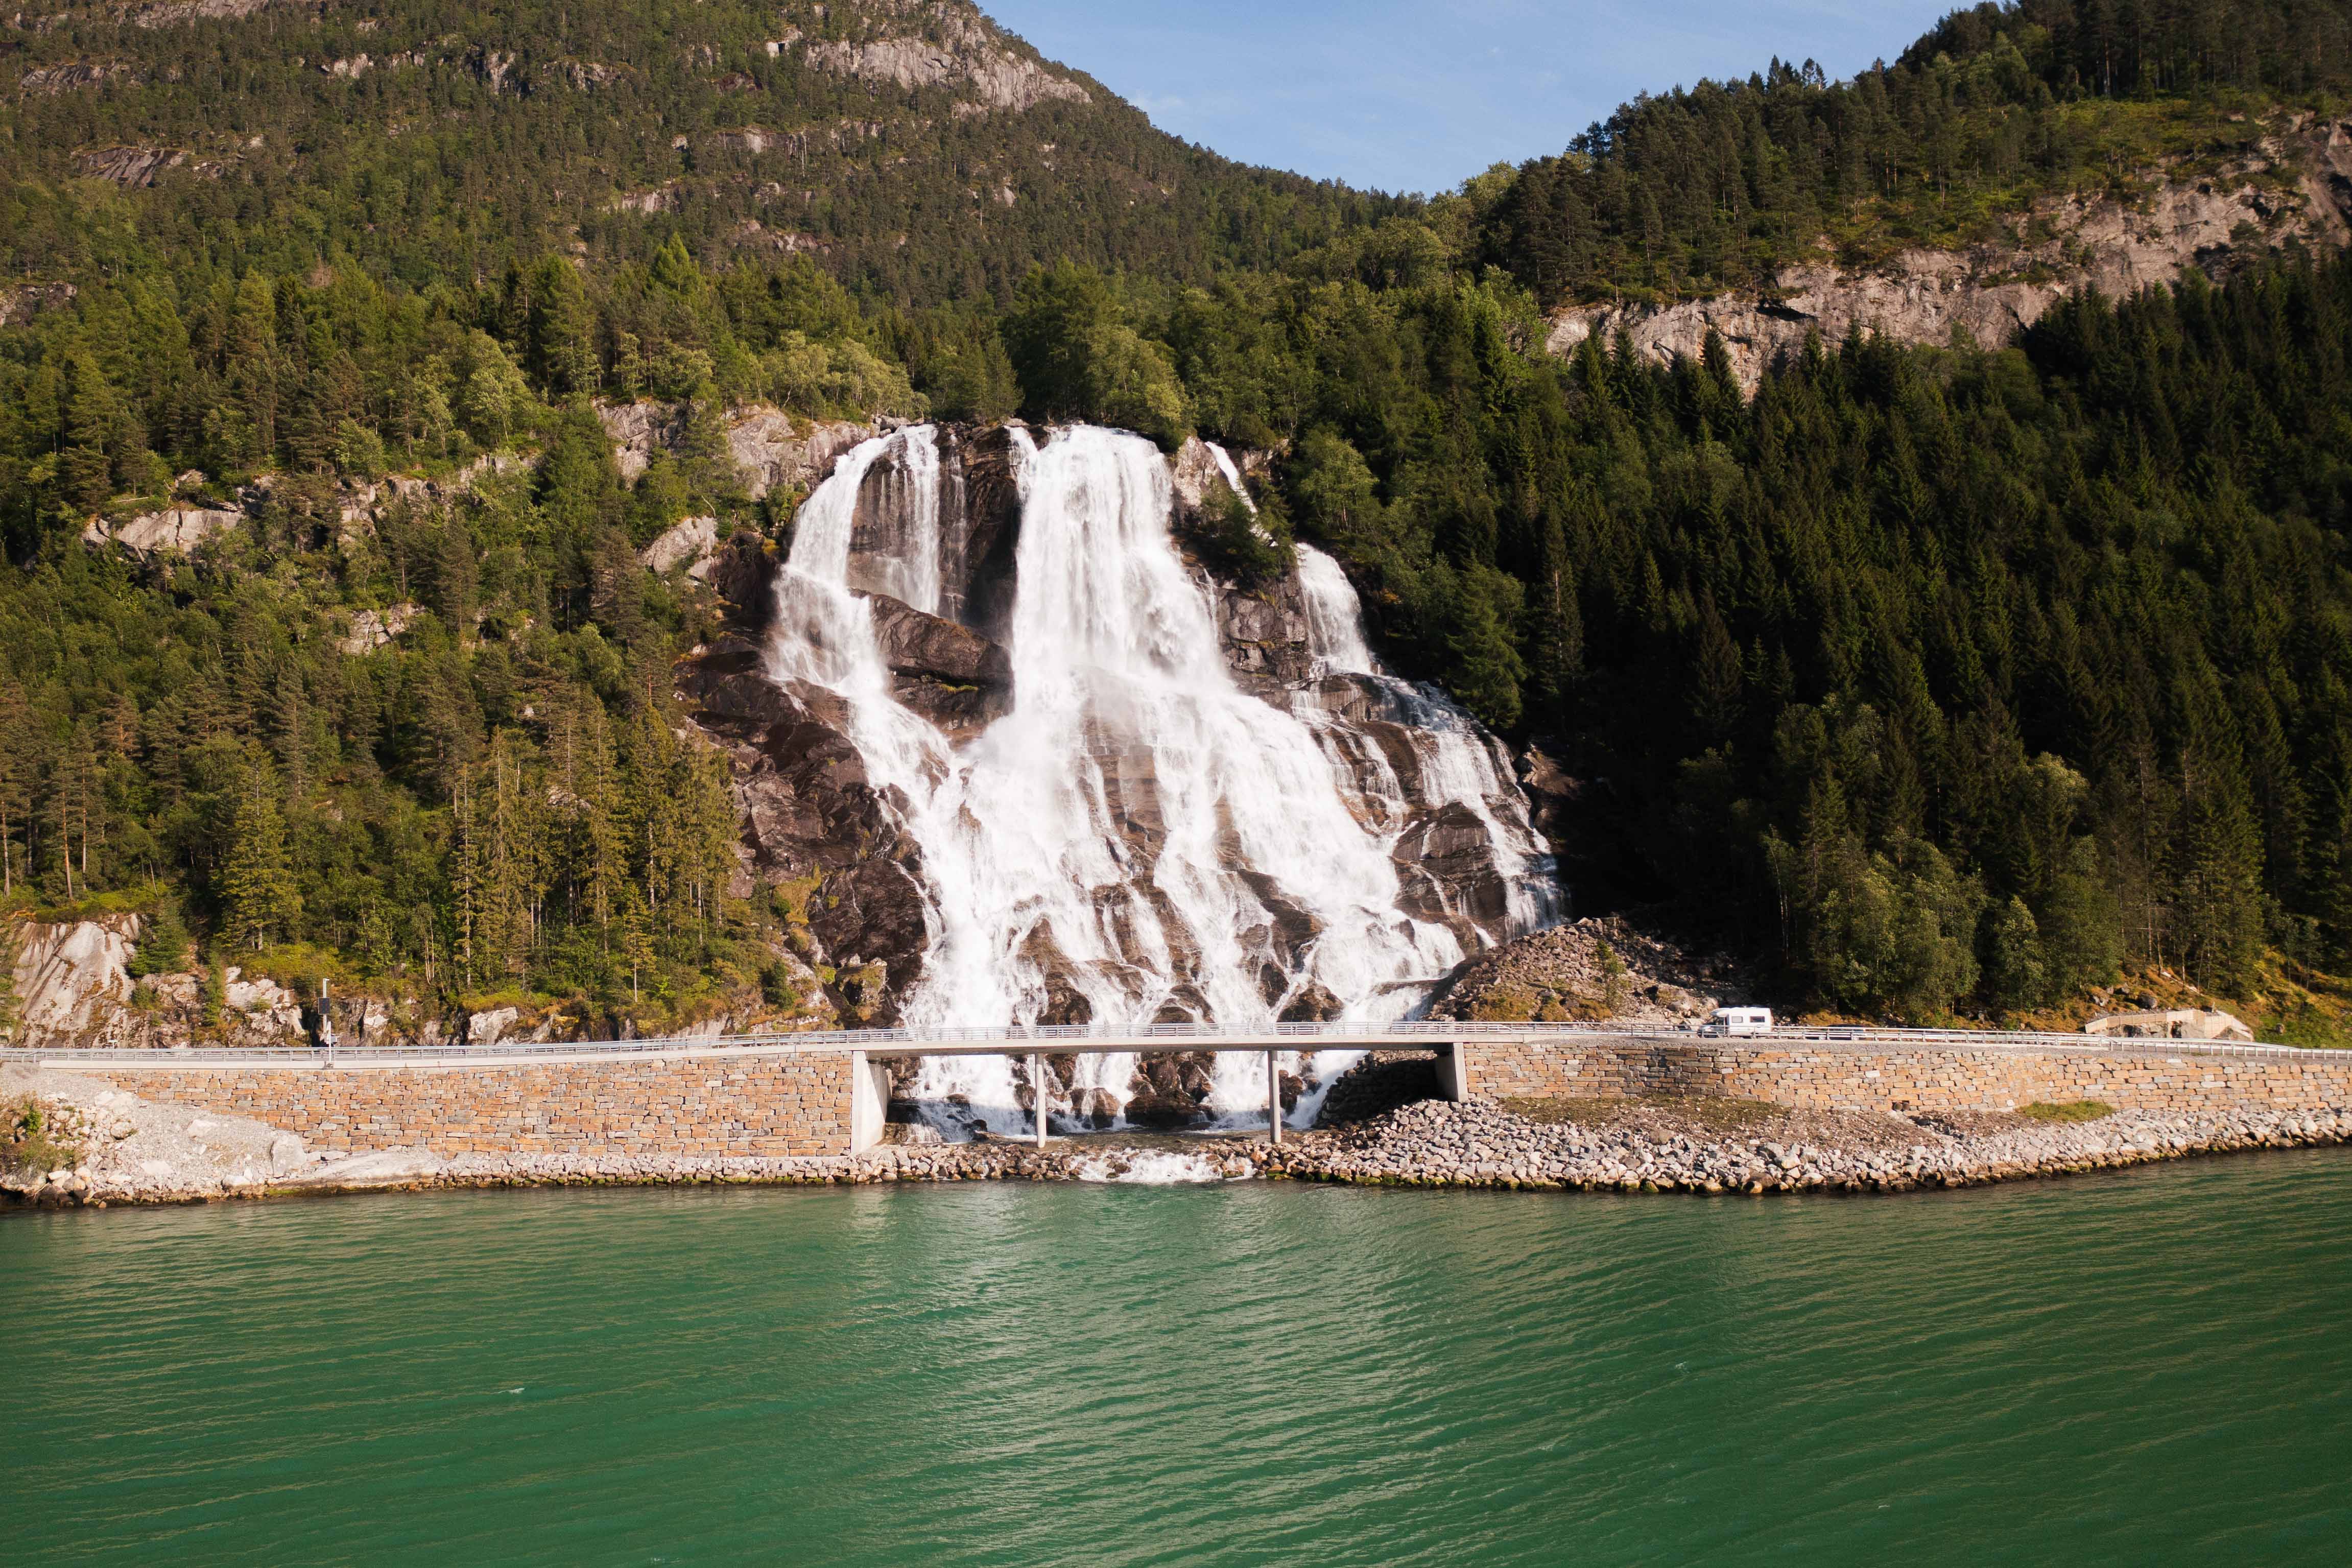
x=1062, y=1039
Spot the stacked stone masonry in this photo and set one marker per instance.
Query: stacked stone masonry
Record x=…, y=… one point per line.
x=781, y=1104
x=2157, y=1078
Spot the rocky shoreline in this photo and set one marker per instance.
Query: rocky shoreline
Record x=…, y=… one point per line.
x=173, y=1155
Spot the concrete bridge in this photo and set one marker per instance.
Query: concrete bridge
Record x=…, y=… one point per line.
x=819, y=1094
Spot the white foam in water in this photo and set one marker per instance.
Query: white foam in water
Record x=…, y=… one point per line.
x=1123, y=706
x=1157, y=1169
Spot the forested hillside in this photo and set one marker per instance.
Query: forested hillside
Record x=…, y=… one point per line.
x=1718, y=186
x=917, y=149
x=1941, y=680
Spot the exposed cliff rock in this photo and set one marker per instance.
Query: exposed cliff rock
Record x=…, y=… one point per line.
x=918, y=44
x=692, y=541
x=771, y=448
x=2298, y=193
x=774, y=453
x=71, y=979
x=174, y=531
x=1595, y=970
x=23, y=301
x=73, y=990
x=136, y=167
x=72, y=75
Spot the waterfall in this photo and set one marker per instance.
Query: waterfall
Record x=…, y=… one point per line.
x=1460, y=762
x=1139, y=839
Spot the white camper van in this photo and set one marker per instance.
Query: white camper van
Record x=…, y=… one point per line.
x=1738, y=1021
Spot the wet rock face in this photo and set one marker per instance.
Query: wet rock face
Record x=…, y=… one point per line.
x=1440, y=849
x=952, y=676
x=1264, y=628
x=743, y=573
x=978, y=528
x=981, y=496
x=809, y=810
x=918, y=644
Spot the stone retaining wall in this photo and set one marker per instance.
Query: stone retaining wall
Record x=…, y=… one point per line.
x=785, y=1104
x=2155, y=1077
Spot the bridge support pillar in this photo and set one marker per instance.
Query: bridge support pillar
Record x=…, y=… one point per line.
x=1272, y=1100
x=1037, y=1092
x=869, y=1100
x=1454, y=1070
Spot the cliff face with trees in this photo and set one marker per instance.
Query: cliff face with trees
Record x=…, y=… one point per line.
x=1940, y=679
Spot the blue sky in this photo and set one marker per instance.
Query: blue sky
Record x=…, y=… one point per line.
x=1419, y=97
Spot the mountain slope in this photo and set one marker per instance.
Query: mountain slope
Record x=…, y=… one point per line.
x=2013, y=154
x=911, y=143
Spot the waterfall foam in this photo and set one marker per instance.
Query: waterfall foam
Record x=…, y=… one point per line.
x=1138, y=841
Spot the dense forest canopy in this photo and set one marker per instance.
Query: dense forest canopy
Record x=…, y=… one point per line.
x=1945, y=680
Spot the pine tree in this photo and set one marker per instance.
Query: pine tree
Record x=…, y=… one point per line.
x=260, y=900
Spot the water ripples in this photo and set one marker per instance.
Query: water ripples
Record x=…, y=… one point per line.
x=2144, y=1366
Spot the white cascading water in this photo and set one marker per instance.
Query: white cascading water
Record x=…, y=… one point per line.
x=1124, y=709
x=1459, y=760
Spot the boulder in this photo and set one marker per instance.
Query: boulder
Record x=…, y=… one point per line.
x=490, y=1026
x=693, y=541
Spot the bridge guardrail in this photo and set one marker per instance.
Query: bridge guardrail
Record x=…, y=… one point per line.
x=1082, y=1036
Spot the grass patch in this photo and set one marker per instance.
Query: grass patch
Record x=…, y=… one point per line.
x=27, y=1141
x=139, y=900
x=2071, y=1111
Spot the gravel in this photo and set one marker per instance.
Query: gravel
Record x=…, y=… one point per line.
x=175, y=1154
x=1703, y=1146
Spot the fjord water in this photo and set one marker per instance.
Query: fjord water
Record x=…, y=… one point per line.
x=2149, y=1367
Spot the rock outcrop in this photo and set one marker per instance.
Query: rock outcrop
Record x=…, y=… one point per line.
x=71, y=981
x=174, y=531
x=811, y=813
x=2298, y=192
x=692, y=541
x=2174, y=1023
x=22, y=302
x=770, y=450
x=946, y=44
x=1594, y=970
x=134, y=167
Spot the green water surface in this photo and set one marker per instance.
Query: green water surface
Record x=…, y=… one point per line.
x=2152, y=1367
